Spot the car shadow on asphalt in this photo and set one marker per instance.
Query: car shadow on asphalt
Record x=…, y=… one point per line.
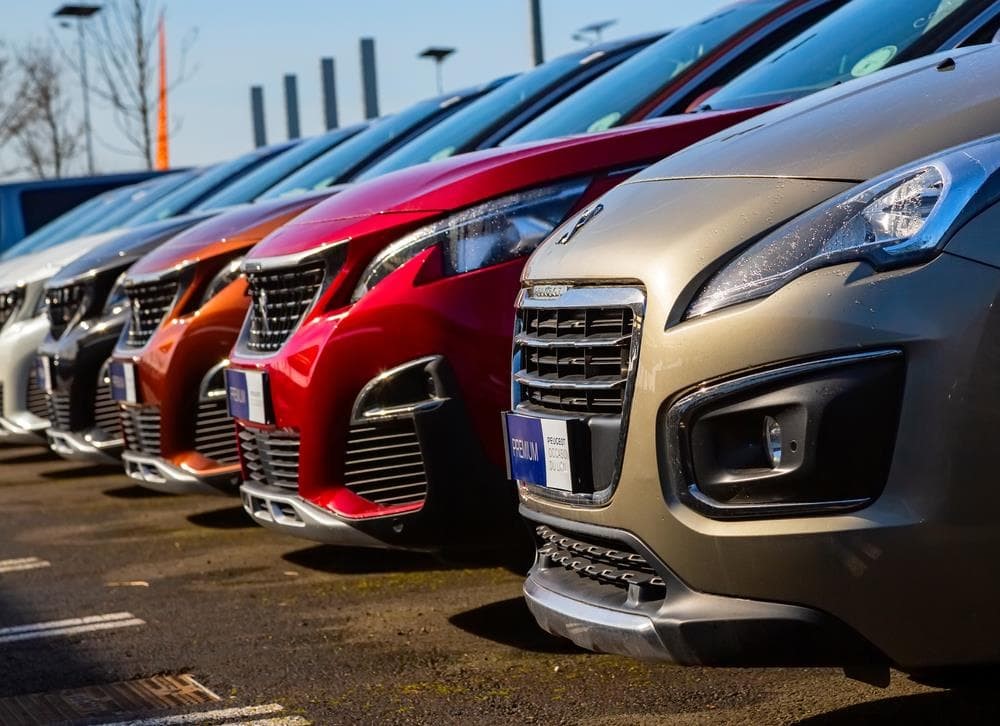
x=974, y=706
x=225, y=518
x=32, y=456
x=81, y=472
x=509, y=622
x=134, y=492
x=364, y=561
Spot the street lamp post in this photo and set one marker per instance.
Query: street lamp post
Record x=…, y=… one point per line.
x=81, y=13
x=438, y=55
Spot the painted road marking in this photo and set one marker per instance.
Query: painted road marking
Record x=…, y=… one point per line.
x=72, y=626
x=24, y=563
x=221, y=717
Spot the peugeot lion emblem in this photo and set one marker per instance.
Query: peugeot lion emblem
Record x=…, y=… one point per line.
x=265, y=324
x=584, y=218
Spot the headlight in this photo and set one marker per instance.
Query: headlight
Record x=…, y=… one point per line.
x=223, y=278
x=900, y=218
x=484, y=235
x=117, y=299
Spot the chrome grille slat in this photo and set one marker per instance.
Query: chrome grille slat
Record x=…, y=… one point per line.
x=38, y=400
x=609, y=563
x=278, y=301
x=106, y=415
x=390, y=472
x=149, y=304
x=141, y=429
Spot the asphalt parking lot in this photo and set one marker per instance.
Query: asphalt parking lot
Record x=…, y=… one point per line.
x=124, y=606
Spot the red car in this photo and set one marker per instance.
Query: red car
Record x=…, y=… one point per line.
x=373, y=365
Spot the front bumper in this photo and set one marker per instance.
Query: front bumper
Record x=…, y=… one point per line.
x=159, y=475
x=333, y=399
x=568, y=598
x=84, y=447
x=23, y=419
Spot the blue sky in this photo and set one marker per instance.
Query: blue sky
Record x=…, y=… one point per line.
x=244, y=42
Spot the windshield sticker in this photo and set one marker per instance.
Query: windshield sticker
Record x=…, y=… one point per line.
x=874, y=61
x=605, y=122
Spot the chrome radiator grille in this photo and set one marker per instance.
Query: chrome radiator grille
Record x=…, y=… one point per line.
x=141, y=428
x=575, y=353
x=384, y=464
x=10, y=301
x=270, y=457
x=278, y=301
x=63, y=305
x=149, y=304
x=215, y=431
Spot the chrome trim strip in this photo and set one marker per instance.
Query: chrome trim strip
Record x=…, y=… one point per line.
x=360, y=414
x=291, y=514
x=204, y=394
x=582, y=296
x=270, y=264
x=562, y=383
x=687, y=491
x=156, y=474
x=76, y=447
x=522, y=339
x=593, y=627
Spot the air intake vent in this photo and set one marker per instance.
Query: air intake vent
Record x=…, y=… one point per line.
x=141, y=428
x=149, y=303
x=106, y=416
x=215, y=432
x=384, y=463
x=270, y=457
x=36, y=399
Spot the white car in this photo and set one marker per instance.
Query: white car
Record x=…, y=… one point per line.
x=23, y=326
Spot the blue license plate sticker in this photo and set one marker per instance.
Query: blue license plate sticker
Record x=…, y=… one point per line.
x=123, y=386
x=246, y=393
x=43, y=373
x=538, y=451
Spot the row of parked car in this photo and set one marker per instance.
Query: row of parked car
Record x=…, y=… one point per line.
x=744, y=390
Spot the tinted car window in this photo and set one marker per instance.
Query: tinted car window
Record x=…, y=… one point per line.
x=860, y=38
x=339, y=163
x=622, y=90
x=208, y=182
x=251, y=185
x=462, y=128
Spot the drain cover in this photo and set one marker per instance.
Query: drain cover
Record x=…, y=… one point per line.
x=112, y=699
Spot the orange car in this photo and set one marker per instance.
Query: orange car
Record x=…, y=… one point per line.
x=182, y=324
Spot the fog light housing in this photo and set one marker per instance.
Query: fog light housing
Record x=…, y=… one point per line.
x=806, y=438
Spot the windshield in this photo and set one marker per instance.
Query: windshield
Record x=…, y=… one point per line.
x=462, y=129
x=860, y=38
x=616, y=95
x=206, y=183
x=99, y=214
x=251, y=185
x=339, y=163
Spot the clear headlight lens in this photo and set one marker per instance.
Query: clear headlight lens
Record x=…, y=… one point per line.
x=900, y=218
x=484, y=235
x=223, y=278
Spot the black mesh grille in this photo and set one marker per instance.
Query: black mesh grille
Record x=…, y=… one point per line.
x=36, y=399
x=270, y=457
x=278, y=301
x=10, y=301
x=607, y=562
x=215, y=432
x=141, y=429
x=149, y=304
x=63, y=305
x=58, y=411
x=384, y=464
x=575, y=359
x=106, y=415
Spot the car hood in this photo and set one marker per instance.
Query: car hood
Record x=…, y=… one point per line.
x=236, y=228
x=432, y=188
x=124, y=248
x=859, y=129
x=25, y=269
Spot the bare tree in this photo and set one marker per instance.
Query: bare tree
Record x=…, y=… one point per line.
x=47, y=138
x=12, y=111
x=123, y=48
